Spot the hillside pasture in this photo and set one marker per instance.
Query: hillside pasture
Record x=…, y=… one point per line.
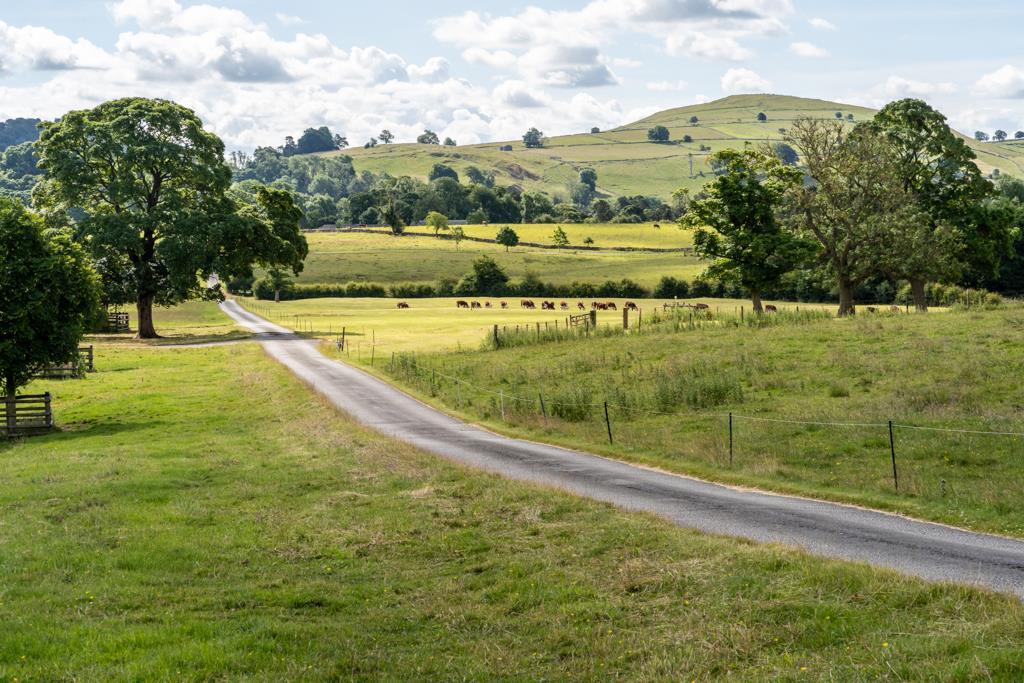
x=628, y=164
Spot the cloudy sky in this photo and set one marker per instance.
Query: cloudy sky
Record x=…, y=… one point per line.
x=478, y=71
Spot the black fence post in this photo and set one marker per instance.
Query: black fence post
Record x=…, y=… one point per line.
x=543, y=409
x=608, y=423
x=892, y=451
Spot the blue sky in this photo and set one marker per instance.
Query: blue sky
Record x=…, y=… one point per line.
x=259, y=70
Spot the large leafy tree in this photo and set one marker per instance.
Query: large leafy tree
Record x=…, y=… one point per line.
x=937, y=169
x=148, y=188
x=852, y=200
x=507, y=237
x=50, y=294
x=736, y=222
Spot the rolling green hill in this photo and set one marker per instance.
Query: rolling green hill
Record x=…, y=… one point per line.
x=627, y=164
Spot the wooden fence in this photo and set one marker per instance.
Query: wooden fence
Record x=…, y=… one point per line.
x=27, y=415
x=76, y=369
x=118, y=322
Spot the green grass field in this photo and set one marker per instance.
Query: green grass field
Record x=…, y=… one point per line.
x=338, y=258
x=671, y=390
x=434, y=324
x=199, y=517
x=627, y=164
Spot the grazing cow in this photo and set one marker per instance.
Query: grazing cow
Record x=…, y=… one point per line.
x=547, y=305
x=581, y=306
x=872, y=309
x=487, y=305
x=564, y=306
x=476, y=304
x=894, y=309
x=504, y=304
x=630, y=306
x=462, y=304
x=771, y=309
x=403, y=305
x=526, y=303
x=611, y=306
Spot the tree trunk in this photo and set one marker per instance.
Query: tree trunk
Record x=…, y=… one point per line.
x=755, y=300
x=846, y=305
x=144, y=307
x=277, y=296
x=11, y=420
x=920, y=298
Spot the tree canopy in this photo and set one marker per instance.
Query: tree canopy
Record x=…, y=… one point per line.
x=507, y=237
x=533, y=138
x=736, y=222
x=50, y=296
x=658, y=134
x=428, y=137
x=144, y=184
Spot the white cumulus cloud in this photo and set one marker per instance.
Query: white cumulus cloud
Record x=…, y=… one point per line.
x=744, y=81
x=1006, y=82
x=807, y=50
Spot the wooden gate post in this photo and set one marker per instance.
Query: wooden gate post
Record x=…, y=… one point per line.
x=9, y=410
x=625, y=318
x=593, y=318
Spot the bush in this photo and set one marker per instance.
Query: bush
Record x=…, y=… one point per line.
x=671, y=288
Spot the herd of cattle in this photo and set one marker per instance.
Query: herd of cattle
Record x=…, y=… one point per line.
x=549, y=305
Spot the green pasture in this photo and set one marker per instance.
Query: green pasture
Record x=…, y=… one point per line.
x=384, y=259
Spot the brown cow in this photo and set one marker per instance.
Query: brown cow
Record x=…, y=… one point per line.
x=564, y=306
x=504, y=304
x=403, y=305
x=476, y=304
x=894, y=309
x=548, y=305
x=771, y=309
x=581, y=306
x=462, y=304
x=487, y=305
x=630, y=306
x=526, y=303
x=611, y=306
x=872, y=309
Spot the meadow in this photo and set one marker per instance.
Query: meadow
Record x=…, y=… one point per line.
x=339, y=258
x=199, y=516
x=435, y=324
x=672, y=387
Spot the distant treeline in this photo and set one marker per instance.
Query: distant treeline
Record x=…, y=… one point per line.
x=488, y=280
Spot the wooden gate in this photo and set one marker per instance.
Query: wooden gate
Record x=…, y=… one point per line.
x=27, y=415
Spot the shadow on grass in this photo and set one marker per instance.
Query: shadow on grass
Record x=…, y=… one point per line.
x=77, y=430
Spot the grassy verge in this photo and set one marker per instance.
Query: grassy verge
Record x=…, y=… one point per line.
x=199, y=517
x=670, y=396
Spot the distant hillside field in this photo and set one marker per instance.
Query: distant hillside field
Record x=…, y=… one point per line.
x=627, y=164
x=338, y=258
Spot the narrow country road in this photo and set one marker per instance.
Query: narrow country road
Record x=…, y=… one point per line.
x=930, y=551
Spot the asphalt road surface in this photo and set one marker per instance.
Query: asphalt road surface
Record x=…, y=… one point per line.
x=930, y=551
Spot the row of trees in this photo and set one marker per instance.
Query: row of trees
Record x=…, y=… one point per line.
x=998, y=135
x=898, y=198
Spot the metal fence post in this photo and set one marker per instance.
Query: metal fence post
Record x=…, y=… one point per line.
x=892, y=451
x=608, y=423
